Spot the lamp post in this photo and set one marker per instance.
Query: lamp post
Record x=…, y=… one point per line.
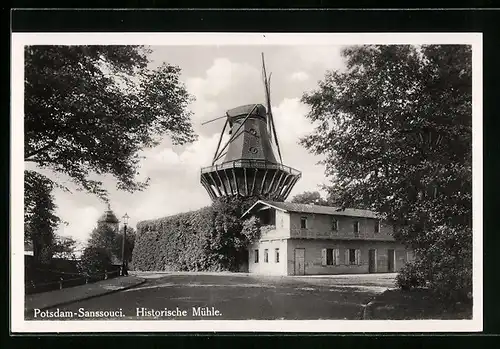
x=124, y=263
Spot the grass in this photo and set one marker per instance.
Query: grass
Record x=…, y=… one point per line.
x=416, y=304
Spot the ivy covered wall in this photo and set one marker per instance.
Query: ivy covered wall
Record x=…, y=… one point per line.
x=213, y=238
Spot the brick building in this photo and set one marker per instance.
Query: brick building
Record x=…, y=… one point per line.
x=300, y=239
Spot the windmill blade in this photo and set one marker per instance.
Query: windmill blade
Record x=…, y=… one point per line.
x=208, y=121
x=266, y=94
x=271, y=119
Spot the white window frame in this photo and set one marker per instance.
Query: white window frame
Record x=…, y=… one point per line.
x=357, y=256
x=256, y=255
x=276, y=255
x=356, y=227
x=335, y=256
x=266, y=255
x=377, y=226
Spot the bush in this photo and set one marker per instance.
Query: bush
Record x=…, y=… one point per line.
x=209, y=239
x=95, y=260
x=444, y=264
x=411, y=276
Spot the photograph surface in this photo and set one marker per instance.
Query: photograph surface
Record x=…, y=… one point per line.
x=297, y=182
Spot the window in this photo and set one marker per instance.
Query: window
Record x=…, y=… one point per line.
x=266, y=256
x=330, y=256
x=256, y=256
x=277, y=255
x=356, y=227
x=353, y=256
x=303, y=222
x=335, y=224
x=377, y=226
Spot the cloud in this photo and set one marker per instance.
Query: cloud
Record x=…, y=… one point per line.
x=299, y=76
x=224, y=83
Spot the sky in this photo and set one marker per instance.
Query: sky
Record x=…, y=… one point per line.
x=220, y=78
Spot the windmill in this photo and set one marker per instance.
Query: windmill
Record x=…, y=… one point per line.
x=246, y=164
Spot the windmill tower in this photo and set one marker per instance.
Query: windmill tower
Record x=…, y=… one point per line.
x=246, y=165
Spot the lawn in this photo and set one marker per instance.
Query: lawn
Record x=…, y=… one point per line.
x=417, y=304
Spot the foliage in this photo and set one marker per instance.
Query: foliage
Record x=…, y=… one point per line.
x=251, y=229
x=310, y=198
x=95, y=260
x=109, y=239
x=396, y=132
x=64, y=247
x=91, y=109
x=105, y=237
x=129, y=242
x=207, y=239
x=40, y=220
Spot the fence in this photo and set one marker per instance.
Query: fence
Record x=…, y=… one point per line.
x=60, y=280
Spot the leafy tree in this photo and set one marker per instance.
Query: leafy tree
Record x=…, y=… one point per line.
x=40, y=220
x=64, y=247
x=105, y=237
x=95, y=260
x=91, y=110
x=309, y=197
x=109, y=239
x=396, y=132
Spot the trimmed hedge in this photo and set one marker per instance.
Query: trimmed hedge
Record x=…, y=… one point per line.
x=209, y=239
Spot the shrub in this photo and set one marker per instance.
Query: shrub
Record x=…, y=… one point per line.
x=444, y=264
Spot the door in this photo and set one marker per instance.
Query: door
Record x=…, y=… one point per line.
x=391, y=261
x=300, y=266
x=372, y=261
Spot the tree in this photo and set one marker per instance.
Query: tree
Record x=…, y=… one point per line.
x=40, y=220
x=396, y=132
x=64, y=247
x=105, y=237
x=309, y=197
x=91, y=109
x=95, y=260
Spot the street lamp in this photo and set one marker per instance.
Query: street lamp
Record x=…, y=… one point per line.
x=124, y=263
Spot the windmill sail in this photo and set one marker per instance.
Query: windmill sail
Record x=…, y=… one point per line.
x=271, y=127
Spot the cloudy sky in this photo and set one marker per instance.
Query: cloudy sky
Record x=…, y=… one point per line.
x=221, y=78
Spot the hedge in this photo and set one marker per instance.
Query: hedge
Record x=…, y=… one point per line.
x=209, y=239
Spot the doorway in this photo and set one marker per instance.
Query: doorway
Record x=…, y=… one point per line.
x=300, y=265
x=372, y=261
x=391, y=261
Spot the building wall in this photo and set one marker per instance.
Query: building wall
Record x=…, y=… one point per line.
x=271, y=267
x=313, y=257
x=320, y=226
x=281, y=222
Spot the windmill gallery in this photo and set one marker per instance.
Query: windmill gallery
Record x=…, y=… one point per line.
x=295, y=239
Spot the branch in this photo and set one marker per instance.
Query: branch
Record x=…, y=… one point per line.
x=45, y=147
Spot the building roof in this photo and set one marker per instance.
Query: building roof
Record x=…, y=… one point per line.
x=315, y=209
x=108, y=217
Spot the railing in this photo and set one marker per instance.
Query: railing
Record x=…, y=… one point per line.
x=79, y=279
x=251, y=163
x=316, y=234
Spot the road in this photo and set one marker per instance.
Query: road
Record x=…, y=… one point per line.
x=237, y=296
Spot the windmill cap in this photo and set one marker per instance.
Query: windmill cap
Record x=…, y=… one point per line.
x=243, y=110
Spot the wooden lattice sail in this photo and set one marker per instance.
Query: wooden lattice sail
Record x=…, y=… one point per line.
x=246, y=165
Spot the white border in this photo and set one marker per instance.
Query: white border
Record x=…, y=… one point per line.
x=19, y=40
